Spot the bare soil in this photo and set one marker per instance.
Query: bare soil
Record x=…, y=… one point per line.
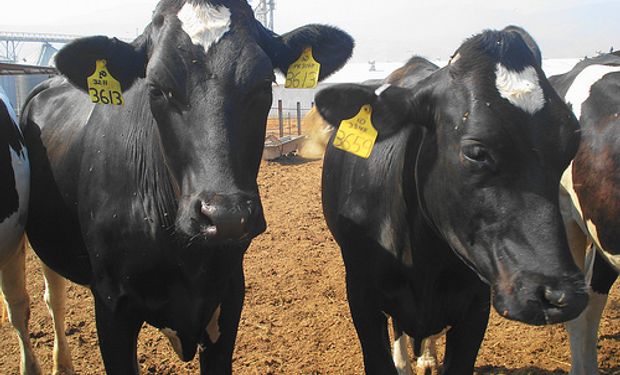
x=296, y=318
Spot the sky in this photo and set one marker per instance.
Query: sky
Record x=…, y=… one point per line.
x=386, y=30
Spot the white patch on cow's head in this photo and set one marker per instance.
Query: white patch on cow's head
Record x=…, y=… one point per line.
x=579, y=91
x=175, y=341
x=522, y=89
x=205, y=24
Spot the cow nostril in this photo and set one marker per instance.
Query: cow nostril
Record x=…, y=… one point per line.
x=555, y=297
x=207, y=209
x=210, y=231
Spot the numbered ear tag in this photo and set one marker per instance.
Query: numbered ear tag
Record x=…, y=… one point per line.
x=357, y=135
x=103, y=88
x=303, y=73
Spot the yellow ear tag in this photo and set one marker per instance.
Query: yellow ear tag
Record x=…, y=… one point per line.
x=303, y=73
x=357, y=135
x=103, y=88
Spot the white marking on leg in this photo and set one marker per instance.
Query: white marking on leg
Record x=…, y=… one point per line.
x=579, y=91
x=213, y=329
x=13, y=287
x=522, y=89
x=401, y=357
x=55, y=299
x=428, y=359
x=583, y=336
x=205, y=24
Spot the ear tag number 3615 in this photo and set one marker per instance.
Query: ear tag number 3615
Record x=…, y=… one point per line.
x=103, y=88
x=303, y=73
x=357, y=135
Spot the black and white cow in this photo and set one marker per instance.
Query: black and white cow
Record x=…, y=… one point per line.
x=459, y=194
x=153, y=203
x=14, y=198
x=590, y=193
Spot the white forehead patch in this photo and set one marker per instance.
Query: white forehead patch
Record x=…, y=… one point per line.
x=580, y=89
x=522, y=89
x=205, y=24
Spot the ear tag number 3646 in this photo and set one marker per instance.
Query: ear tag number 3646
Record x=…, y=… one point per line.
x=103, y=88
x=357, y=135
x=303, y=73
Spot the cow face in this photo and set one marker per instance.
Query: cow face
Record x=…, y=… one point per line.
x=492, y=143
x=207, y=68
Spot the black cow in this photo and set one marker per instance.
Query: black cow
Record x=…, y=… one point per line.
x=591, y=193
x=153, y=203
x=459, y=193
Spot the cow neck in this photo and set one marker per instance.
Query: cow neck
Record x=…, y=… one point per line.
x=154, y=183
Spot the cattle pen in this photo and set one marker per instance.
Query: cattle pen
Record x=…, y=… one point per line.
x=296, y=319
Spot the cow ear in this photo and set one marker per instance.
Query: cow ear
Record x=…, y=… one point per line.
x=125, y=62
x=391, y=105
x=331, y=47
x=529, y=41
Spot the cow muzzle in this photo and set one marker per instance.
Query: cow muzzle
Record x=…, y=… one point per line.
x=536, y=299
x=226, y=217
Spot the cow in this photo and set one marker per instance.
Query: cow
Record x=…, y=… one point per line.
x=590, y=193
x=153, y=203
x=457, y=203
x=14, y=199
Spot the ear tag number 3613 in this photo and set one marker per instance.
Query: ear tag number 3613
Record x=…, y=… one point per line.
x=103, y=88
x=357, y=135
x=303, y=73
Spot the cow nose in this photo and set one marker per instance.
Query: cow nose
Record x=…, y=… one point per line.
x=556, y=298
x=233, y=217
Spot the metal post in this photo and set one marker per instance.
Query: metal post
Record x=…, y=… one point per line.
x=298, y=118
x=288, y=119
x=280, y=118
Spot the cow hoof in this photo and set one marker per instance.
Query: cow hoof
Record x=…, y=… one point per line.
x=429, y=368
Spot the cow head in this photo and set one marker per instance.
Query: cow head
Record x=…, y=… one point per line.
x=205, y=68
x=492, y=140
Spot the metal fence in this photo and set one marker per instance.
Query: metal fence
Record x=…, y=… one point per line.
x=286, y=120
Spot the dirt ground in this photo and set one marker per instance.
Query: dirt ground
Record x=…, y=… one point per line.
x=296, y=318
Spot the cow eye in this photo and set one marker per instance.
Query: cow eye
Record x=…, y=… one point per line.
x=156, y=92
x=475, y=152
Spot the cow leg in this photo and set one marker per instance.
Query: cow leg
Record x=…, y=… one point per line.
x=13, y=286
x=118, y=339
x=463, y=341
x=55, y=300
x=399, y=352
x=426, y=364
x=219, y=342
x=371, y=326
x=583, y=331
